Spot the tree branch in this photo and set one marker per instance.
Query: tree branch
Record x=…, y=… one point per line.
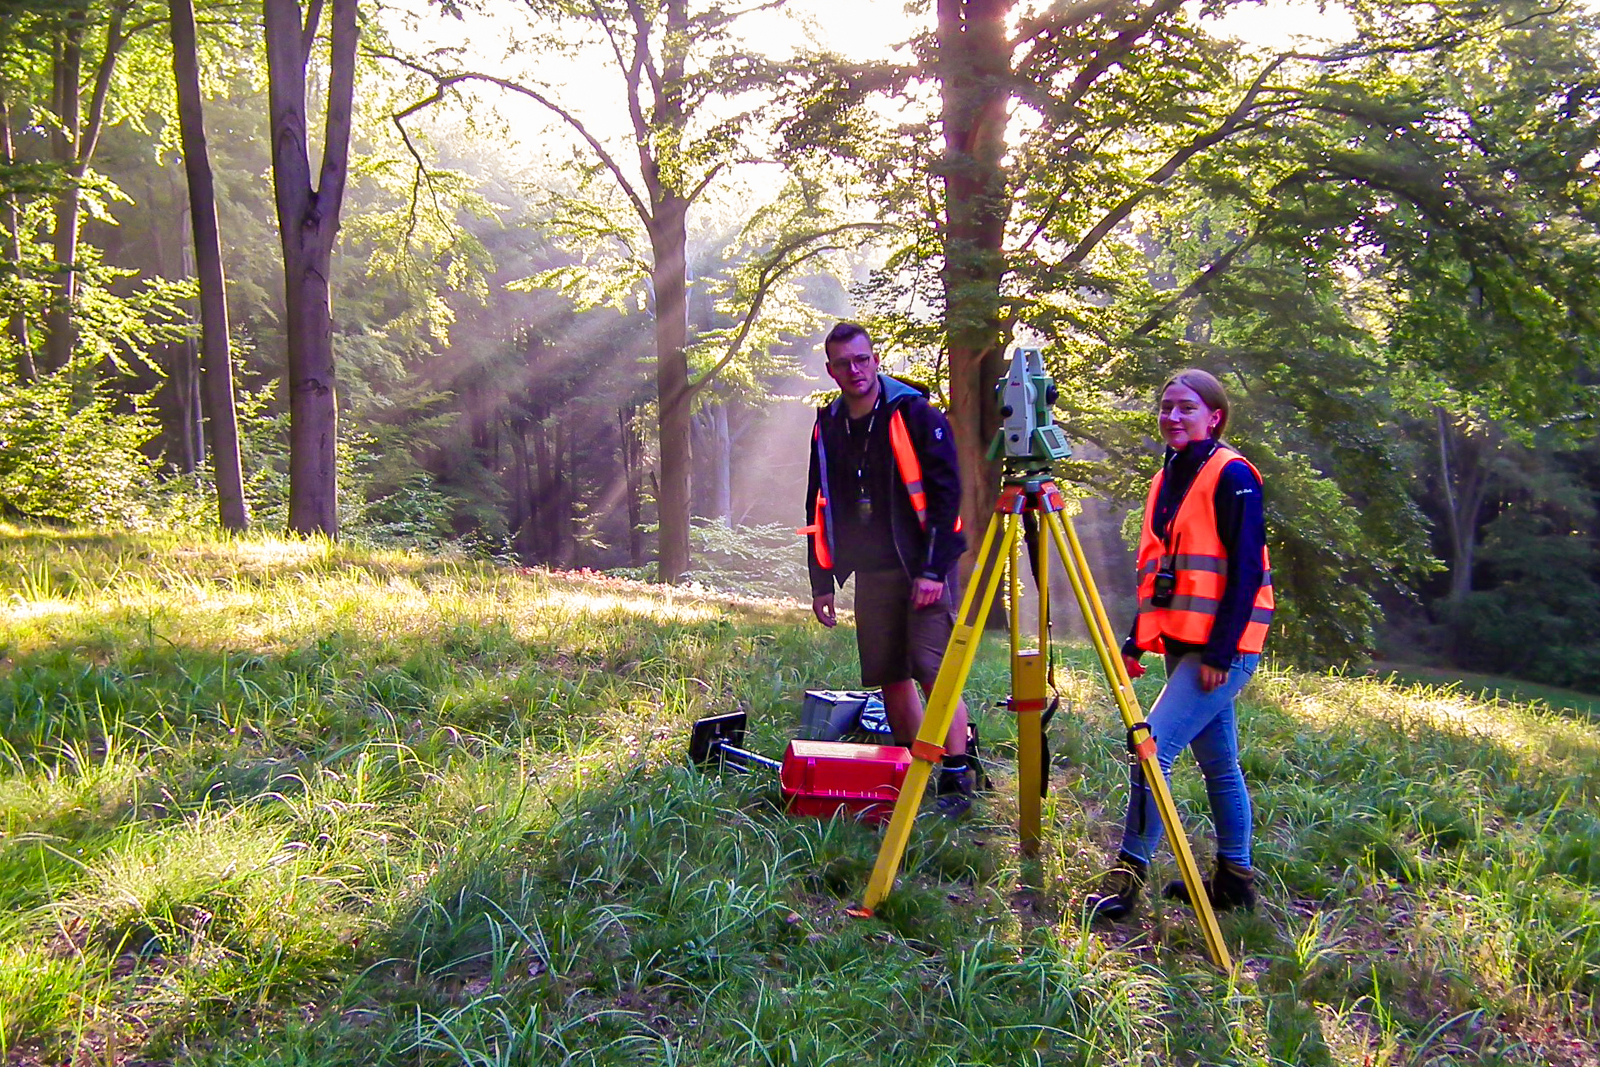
x=641, y=52
x=308, y=35
x=1040, y=32
x=445, y=81
x=1118, y=48
x=705, y=182
x=115, y=39
x=775, y=267
x=422, y=170
x=633, y=71
x=343, y=35
x=1114, y=217
x=1197, y=285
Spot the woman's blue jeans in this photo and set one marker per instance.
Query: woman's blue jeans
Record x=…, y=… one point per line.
x=1184, y=716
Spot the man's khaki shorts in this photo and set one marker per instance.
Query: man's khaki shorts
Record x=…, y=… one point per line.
x=896, y=643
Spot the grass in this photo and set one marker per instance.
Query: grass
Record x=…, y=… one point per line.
x=270, y=802
x=1488, y=687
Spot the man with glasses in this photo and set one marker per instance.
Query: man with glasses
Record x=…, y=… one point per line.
x=884, y=500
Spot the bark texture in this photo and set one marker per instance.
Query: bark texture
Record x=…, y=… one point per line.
x=222, y=422
x=308, y=224
x=974, y=64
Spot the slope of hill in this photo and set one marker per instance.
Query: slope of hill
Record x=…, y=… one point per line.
x=272, y=802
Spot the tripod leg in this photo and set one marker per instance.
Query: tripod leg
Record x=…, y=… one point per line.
x=1028, y=700
x=941, y=710
x=1105, y=644
x=1028, y=685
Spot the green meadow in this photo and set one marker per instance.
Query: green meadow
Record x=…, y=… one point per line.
x=283, y=802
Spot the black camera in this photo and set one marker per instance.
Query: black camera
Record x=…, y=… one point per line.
x=1166, y=584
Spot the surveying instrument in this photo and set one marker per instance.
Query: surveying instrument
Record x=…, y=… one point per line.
x=1029, y=443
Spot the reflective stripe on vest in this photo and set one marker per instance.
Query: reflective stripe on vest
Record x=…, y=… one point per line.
x=821, y=528
x=910, y=467
x=1199, y=567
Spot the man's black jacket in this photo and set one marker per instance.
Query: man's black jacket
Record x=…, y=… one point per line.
x=931, y=553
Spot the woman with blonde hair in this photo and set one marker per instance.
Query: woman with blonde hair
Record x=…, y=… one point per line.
x=1205, y=602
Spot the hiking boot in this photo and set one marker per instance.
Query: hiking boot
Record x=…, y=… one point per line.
x=1116, y=894
x=1232, y=886
x=953, y=795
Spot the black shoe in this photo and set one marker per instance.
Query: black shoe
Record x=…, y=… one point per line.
x=953, y=795
x=1116, y=894
x=1232, y=886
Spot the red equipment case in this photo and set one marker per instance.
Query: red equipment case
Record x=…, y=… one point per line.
x=824, y=778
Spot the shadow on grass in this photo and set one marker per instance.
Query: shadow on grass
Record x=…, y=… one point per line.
x=489, y=802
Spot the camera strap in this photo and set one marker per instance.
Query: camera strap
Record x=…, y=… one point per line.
x=1138, y=750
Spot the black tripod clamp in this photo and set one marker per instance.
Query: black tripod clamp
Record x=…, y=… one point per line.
x=1141, y=747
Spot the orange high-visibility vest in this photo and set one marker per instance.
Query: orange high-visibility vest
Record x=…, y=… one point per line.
x=1199, y=560
x=906, y=463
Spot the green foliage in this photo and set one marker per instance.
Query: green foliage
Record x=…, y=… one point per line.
x=763, y=561
x=1539, y=618
x=72, y=461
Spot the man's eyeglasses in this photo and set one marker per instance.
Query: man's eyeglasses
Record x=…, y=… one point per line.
x=855, y=363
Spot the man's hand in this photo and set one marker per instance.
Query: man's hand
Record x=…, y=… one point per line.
x=1135, y=668
x=1211, y=677
x=925, y=592
x=822, y=608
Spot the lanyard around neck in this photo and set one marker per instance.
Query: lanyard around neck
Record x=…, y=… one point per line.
x=866, y=438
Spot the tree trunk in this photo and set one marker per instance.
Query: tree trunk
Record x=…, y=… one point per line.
x=520, y=522
x=179, y=388
x=717, y=463
x=1464, y=478
x=561, y=493
x=974, y=68
x=67, y=70
x=543, y=511
x=633, y=466
x=308, y=223
x=216, y=362
x=72, y=145
x=669, y=243
x=18, y=324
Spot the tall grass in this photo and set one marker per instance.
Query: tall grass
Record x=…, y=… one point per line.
x=286, y=802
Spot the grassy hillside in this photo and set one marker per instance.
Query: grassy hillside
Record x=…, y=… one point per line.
x=283, y=803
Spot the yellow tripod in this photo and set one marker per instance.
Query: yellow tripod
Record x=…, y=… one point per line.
x=999, y=558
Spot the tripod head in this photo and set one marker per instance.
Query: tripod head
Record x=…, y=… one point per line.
x=1029, y=440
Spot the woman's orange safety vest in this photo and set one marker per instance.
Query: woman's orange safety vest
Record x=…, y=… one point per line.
x=905, y=461
x=1199, y=560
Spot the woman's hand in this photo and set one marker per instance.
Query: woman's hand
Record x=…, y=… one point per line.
x=1135, y=668
x=1211, y=677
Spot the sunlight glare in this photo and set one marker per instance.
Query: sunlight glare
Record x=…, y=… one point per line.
x=1281, y=25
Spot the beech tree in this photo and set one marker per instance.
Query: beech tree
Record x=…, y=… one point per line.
x=215, y=357
x=694, y=98
x=308, y=223
x=87, y=34
x=1173, y=198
